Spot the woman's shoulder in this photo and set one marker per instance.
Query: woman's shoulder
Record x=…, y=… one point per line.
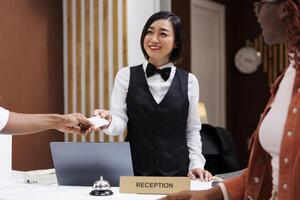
x=193, y=80
x=124, y=72
x=191, y=76
x=128, y=68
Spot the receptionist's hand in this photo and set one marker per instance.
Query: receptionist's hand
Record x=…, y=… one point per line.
x=104, y=114
x=202, y=174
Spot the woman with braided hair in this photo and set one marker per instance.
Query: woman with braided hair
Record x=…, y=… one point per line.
x=273, y=170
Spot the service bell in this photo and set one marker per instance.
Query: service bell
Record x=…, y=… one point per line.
x=101, y=188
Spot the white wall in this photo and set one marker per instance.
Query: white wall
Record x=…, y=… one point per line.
x=5, y=156
x=138, y=11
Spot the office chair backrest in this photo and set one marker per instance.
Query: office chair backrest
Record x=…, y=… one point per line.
x=218, y=149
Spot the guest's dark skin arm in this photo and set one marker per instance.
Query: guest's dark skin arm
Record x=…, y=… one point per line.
x=29, y=123
x=211, y=194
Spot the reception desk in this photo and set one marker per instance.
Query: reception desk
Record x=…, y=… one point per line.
x=15, y=189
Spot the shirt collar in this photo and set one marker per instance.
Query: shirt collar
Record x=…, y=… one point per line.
x=170, y=64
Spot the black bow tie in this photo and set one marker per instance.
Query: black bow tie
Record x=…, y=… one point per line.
x=164, y=73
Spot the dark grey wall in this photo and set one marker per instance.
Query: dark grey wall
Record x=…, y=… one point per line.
x=246, y=95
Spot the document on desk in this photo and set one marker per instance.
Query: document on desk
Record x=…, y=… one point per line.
x=45, y=177
x=198, y=185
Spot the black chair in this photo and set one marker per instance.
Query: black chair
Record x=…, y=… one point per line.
x=218, y=149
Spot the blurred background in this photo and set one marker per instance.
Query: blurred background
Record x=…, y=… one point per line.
x=61, y=56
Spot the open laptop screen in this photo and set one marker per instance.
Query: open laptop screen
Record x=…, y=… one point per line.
x=81, y=164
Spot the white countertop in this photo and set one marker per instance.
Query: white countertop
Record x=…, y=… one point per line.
x=15, y=189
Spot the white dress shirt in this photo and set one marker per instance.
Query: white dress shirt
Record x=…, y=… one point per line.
x=271, y=129
x=3, y=117
x=158, y=88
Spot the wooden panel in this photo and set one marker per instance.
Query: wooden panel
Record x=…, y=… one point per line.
x=87, y=61
x=78, y=60
x=183, y=10
x=96, y=59
x=124, y=22
x=70, y=61
x=31, y=72
x=106, y=57
x=115, y=38
x=97, y=50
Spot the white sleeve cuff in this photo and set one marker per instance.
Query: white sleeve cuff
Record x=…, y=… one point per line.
x=111, y=129
x=4, y=114
x=117, y=126
x=194, y=164
x=224, y=191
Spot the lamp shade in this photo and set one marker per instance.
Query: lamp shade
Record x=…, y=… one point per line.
x=202, y=113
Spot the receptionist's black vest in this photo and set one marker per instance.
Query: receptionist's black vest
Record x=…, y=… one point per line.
x=157, y=132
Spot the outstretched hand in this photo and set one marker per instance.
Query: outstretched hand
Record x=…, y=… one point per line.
x=75, y=123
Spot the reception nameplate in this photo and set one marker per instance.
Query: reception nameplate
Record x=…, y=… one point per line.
x=153, y=185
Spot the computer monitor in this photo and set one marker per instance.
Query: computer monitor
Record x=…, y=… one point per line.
x=81, y=164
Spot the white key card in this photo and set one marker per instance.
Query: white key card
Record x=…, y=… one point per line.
x=98, y=121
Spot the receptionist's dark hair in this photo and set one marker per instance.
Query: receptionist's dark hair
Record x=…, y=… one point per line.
x=177, y=52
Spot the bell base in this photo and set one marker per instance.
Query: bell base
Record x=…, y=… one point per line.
x=101, y=193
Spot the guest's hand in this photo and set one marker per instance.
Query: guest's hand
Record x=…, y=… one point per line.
x=202, y=174
x=186, y=195
x=213, y=193
x=75, y=123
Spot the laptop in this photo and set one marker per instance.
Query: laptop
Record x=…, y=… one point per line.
x=81, y=164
